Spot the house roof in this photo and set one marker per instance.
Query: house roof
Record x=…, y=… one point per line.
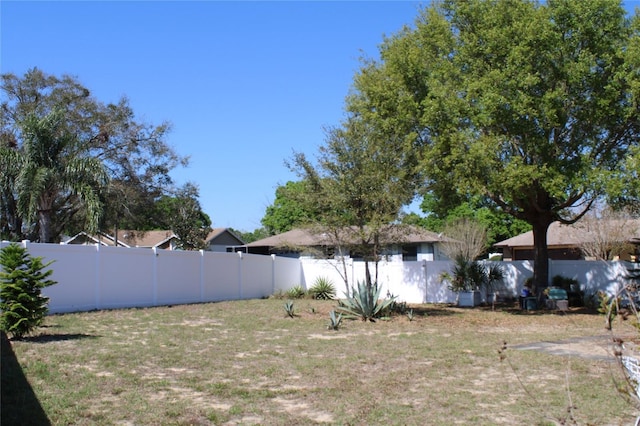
x=126, y=238
x=560, y=235
x=219, y=232
x=306, y=237
x=145, y=238
x=99, y=238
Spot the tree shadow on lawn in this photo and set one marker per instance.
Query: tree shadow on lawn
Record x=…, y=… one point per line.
x=435, y=310
x=46, y=337
x=19, y=404
x=515, y=309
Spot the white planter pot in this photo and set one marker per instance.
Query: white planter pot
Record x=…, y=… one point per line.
x=469, y=298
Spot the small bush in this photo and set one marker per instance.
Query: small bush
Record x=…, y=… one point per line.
x=323, y=289
x=296, y=292
x=21, y=280
x=569, y=284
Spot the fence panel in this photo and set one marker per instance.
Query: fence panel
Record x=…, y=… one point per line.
x=256, y=275
x=221, y=276
x=125, y=278
x=178, y=277
x=76, y=271
x=287, y=273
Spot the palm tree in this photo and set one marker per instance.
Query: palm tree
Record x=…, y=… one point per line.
x=54, y=177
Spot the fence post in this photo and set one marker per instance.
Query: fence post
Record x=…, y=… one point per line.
x=96, y=278
x=239, y=275
x=154, y=276
x=273, y=274
x=201, y=276
x=426, y=281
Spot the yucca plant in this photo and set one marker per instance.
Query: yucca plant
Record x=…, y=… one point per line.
x=335, y=320
x=469, y=275
x=296, y=292
x=364, y=302
x=323, y=289
x=288, y=308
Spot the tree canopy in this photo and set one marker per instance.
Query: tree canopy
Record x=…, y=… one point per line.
x=288, y=209
x=532, y=105
x=357, y=187
x=135, y=156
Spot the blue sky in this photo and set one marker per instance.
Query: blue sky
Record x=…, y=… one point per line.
x=243, y=83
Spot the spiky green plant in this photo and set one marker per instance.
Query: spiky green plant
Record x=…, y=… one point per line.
x=469, y=275
x=289, y=309
x=296, y=292
x=22, y=278
x=364, y=302
x=335, y=320
x=410, y=314
x=323, y=289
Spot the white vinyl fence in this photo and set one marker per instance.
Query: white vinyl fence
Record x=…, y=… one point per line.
x=419, y=282
x=99, y=277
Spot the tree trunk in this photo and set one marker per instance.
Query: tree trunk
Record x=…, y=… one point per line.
x=540, y=257
x=44, y=221
x=367, y=274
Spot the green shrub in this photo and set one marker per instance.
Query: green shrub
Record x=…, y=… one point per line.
x=323, y=289
x=296, y=292
x=21, y=280
x=364, y=302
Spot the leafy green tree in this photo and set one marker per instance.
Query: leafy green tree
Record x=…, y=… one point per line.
x=531, y=104
x=362, y=179
x=499, y=224
x=183, y=214
x=22, y=278
x=287, y=211
x=52, y=175
x=135, y=154
x=251, y=236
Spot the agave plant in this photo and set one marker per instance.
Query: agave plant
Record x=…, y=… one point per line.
x=322, y=289
x=288, y=308
x=335, y=320
x=364, y=302
x=410, y=314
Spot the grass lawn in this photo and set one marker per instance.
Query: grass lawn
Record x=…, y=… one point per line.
x=246, y=362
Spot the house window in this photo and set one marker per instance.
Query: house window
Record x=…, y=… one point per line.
x=409, y=253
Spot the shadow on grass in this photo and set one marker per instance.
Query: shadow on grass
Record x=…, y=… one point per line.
x=19, y=404
x=434, y=310
x=515, y=309
x=46, y=337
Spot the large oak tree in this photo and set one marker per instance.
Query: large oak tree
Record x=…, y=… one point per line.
x=531, y=104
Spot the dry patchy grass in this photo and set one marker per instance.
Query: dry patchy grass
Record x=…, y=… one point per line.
x=246, y=362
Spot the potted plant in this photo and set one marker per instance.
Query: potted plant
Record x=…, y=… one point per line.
x=469, y=277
